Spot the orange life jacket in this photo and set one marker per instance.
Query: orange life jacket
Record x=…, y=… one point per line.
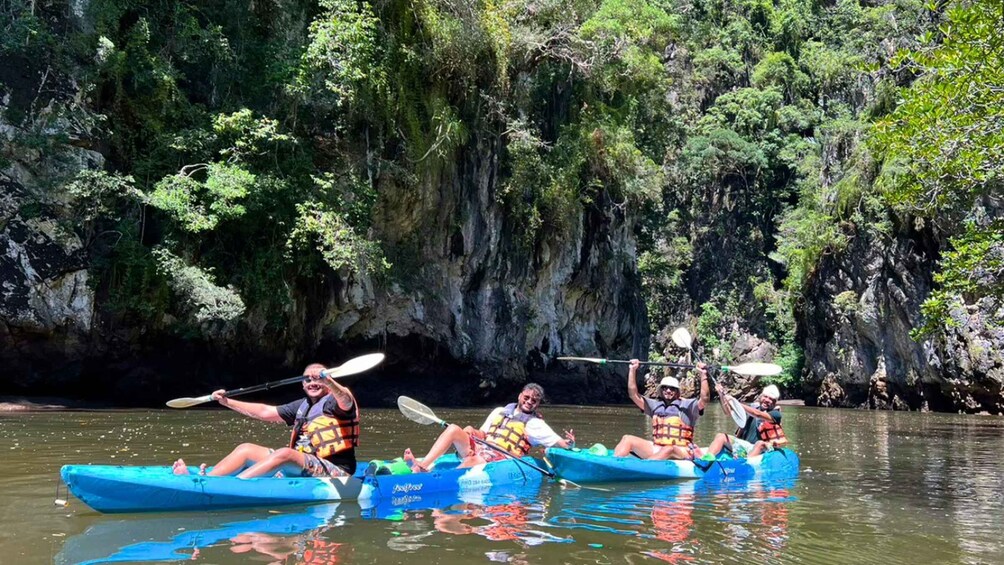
x=326, y=435
x=772, y=434
x=668, y=428
x=508, y=430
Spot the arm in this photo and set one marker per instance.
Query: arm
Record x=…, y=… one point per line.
x=341, y=394
x=540, y=433
x=705, y=399
x=256, y=410
x=765, y=416
x=633, y=393
x=724, y=394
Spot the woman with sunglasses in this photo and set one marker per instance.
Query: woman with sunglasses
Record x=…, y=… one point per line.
x=325, y=433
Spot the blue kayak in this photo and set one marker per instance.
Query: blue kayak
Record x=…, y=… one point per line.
x=111, y=488
x=583, y=466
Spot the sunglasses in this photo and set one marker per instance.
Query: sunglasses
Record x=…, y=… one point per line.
x=531, y=398
x=308, y=379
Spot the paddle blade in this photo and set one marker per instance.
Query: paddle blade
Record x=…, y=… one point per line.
x=682, y=338
x=356, y=365
x=418, y=412
x=186, y=402
x=584, y=359
x=755, y=369
x=738, y=414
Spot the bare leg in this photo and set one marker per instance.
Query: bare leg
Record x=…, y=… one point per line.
x=639, y=446
x=453, y=436
x=239, y=458
x=720, y=442
x=759, y=448
x=675, y=452
x=273, y=462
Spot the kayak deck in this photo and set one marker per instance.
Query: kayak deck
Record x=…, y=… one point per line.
x=582, y=466
x=110, y=488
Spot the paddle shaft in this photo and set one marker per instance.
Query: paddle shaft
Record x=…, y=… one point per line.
x=550, y=474
x=722, y=400
x=265, y=386
x=658, y=364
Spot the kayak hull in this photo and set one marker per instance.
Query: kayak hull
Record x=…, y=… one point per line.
x=111, y=488
x=581, y=466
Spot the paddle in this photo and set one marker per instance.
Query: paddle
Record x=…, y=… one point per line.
x=422, y=414
x=350, y=367
x=681, y=337
x=756, y=369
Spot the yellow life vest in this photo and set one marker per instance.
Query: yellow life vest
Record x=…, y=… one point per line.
x=508, y=430
x=668, y=428
x=326, y=435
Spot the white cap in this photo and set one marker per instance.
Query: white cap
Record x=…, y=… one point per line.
x=671, y=382
x=771, y=391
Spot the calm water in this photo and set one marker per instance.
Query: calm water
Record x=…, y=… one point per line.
x=875, y=487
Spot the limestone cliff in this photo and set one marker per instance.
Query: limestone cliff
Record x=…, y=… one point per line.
x=863, y=304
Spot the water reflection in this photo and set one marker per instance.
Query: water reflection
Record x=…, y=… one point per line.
x=899, y=488
x=677, y=522
x=313, y=534
x=179, y=537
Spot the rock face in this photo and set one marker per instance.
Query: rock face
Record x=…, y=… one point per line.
x=475, y=308
x=476, y=303
x=857, y=320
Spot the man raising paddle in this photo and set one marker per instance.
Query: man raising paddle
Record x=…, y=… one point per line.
x=514, y=428
x=673, y=418
x=323, y=441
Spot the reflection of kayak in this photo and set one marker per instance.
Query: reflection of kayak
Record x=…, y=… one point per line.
x=672, y=511
x=176, y=537
x=582, y=466
x=108, y=488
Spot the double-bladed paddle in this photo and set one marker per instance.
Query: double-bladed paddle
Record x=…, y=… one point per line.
x=422, y=414
x=757, y=369
x=350, y=367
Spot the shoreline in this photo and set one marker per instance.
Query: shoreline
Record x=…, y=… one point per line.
x=44, y=403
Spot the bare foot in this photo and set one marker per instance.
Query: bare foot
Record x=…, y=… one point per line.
x=202, y=469
x=409, y=458
x=179, y=467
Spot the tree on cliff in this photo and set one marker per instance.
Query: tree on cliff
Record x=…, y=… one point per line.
x=944, y=154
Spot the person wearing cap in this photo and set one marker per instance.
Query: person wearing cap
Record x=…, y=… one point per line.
x=673, y=418
x=762, y=431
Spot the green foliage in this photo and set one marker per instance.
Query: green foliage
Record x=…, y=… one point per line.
x=972, y=269
x=779, y=71
x=200, y=205
x=626, y=37
x=709, y=325
x=203, y=300
x=341, y=64
x=804, y=236
x=943, y=150
x=328, y=232
x=97, y=196
x=662, y=269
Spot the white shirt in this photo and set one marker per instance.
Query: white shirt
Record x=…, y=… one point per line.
x=537, y=430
